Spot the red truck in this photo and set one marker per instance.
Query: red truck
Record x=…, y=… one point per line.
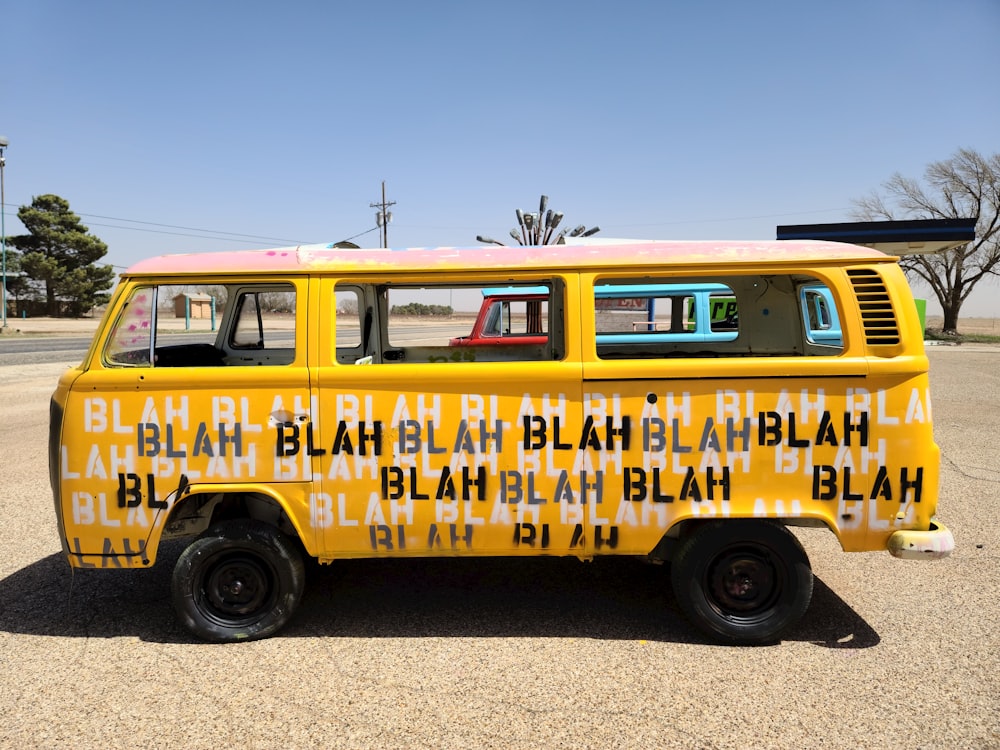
x=509, y=315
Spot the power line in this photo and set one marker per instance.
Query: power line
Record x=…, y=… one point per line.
x=359, y=234
x=115, y=265
x=224, y=239
x=191, y=229
x=235, y=236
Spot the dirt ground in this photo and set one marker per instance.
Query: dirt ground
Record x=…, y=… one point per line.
x=968, y=326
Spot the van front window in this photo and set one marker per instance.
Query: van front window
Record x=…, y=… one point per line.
x=204, y=325
x=130, y=343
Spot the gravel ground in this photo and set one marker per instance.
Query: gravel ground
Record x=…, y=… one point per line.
x=511, y=653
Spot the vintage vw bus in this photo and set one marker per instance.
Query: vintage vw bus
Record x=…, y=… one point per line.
x=303, y=416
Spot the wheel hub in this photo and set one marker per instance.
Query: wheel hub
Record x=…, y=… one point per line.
x=742, y=582
x=237, y=586
x=741, y=586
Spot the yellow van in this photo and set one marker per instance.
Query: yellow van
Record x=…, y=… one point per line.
x=274, y=405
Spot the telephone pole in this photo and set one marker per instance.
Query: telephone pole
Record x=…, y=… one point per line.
x=3, y=230
x=383, y=217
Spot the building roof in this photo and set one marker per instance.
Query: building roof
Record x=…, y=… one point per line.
x=194, y=296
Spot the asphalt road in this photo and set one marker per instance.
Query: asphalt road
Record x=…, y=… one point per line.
x=23, y=350
x=510, y=653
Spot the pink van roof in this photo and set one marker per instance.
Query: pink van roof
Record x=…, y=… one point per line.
x=318, y=258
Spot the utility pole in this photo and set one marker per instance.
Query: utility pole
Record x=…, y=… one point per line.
x=383, y=217
x=3, y=230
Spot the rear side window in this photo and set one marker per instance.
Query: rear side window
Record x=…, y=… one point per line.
x=726, y=316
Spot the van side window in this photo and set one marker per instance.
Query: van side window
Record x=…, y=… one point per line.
x=353, y=323
x=204, y=325
x=473, y=323
x=348, y=311
x=729, y=316
x=264, y=320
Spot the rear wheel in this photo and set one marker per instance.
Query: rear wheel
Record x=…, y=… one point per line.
x=742, y=582
x=239, y=581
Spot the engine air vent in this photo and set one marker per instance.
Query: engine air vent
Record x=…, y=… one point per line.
x=877, y=315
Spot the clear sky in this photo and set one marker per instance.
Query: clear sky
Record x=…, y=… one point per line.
x=193, y=126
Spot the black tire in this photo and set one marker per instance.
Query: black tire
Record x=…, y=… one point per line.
x=742, y=582
x=239, y=581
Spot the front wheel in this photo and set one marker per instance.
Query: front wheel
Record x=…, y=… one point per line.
x=239, y=581
x=742, y=582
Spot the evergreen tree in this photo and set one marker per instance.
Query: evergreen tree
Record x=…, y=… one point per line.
x=60, y=255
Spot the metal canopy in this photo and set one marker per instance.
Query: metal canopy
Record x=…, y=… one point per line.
x=909, y=237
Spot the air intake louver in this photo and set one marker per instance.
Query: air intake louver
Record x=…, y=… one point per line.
x=877, y=315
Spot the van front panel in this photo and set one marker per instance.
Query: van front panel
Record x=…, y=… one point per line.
x=153, y=421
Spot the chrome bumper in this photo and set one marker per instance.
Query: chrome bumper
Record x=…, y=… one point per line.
x=933, y=544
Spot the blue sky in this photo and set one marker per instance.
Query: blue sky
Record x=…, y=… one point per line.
x=254, y=124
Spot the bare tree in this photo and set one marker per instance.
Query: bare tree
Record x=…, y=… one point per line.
x=965, y=186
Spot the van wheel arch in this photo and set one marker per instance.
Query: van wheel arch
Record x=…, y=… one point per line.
x=666, y=548
x=196, y=513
